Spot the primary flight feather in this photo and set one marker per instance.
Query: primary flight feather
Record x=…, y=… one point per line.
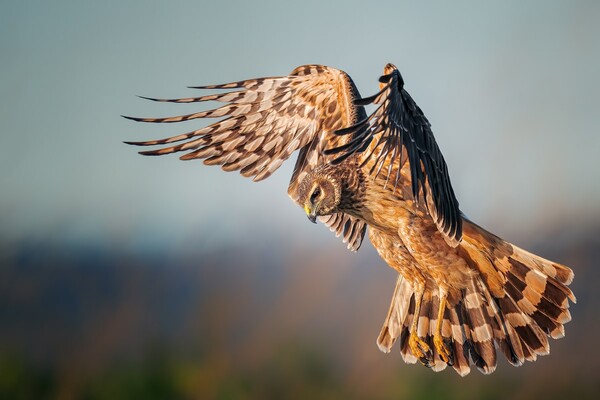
x=462, y=293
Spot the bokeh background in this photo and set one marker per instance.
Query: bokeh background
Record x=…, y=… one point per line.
x=130, y=277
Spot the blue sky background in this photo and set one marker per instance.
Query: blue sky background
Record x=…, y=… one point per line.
x=511, y=89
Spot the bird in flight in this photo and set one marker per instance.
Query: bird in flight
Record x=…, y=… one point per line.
x=463, y=295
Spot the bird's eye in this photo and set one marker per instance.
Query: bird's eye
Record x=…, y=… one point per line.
x=315, y=194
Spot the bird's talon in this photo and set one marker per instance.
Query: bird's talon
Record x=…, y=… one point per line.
x=442, y=349
x=419, y=348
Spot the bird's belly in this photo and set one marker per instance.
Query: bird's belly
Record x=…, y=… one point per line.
x=415, y=231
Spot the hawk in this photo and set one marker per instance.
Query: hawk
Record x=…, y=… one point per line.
x=462, y=294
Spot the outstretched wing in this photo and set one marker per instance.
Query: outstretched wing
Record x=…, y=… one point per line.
x=264, y=121
x=400, y=131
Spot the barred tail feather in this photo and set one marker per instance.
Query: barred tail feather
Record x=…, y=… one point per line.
x=398, y=321
x=459, y=346
x=435, y=363
x=405, y=350
x=526, y=295
x=397, y=315
x=481, y=336
x=516, y=302
x=426, y=328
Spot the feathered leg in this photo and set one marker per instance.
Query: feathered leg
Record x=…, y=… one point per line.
x=419, y=348
x=438, y=339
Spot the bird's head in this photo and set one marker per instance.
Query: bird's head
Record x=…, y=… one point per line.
x=320, y=192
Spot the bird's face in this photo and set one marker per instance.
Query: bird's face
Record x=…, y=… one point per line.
x=320, y=194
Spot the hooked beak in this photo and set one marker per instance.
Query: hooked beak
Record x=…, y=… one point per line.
x=311, y=214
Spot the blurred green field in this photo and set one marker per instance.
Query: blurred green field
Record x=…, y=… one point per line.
x=241, y=323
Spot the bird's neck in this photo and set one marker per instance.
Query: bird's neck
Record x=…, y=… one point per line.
x=353, y=188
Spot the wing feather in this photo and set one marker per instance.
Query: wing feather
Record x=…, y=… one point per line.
x=352, y=230
x=402, y=132
x=264, y=121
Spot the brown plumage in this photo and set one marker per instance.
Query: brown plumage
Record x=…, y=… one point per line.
x=462, y=293
x=266, y=120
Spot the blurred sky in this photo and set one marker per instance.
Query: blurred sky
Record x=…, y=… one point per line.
x=511, y=89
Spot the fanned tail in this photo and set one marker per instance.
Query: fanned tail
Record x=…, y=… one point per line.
x=512, y=306
x=530, y=293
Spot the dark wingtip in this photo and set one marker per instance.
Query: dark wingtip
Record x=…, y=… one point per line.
x=385, y=78
x=150, y=153
x=149, y=98
x=132, y=118
x=146, y=152
x=347, y=130
x=363, y=101
x=135, y=143
x=340, y=159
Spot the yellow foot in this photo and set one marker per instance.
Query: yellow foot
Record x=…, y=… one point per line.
x=441, y=348
x=419, y=348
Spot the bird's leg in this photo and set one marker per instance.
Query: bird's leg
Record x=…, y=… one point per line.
x=438, y=340
x=418, y=347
